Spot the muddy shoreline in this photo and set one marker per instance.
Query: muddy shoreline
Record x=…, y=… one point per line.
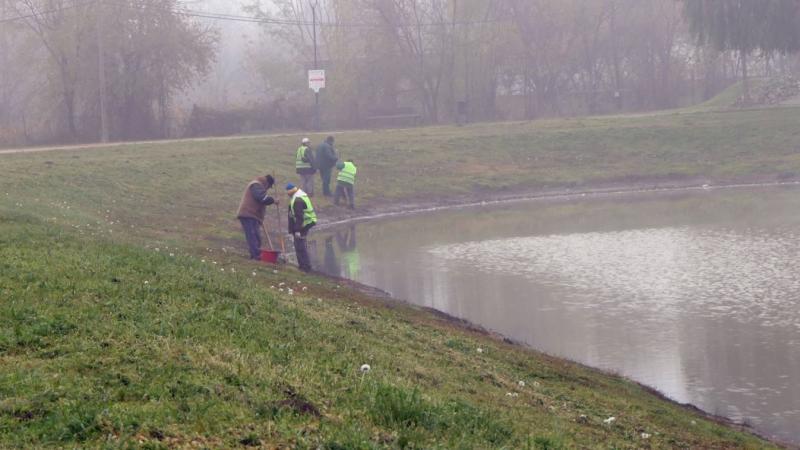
x=337, y=216
x=652, y=187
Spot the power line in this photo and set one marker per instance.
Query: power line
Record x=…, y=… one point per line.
x=265, y=20
x=272, y=21
x=269, y=21
x=49, y=11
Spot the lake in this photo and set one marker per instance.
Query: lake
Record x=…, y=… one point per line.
x=694, y=293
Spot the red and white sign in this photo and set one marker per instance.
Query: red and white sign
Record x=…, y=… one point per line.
x=316, y=80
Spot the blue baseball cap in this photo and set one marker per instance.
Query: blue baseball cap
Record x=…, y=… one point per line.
x=290, y=186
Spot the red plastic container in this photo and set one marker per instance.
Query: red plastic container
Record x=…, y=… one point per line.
x=270, y=256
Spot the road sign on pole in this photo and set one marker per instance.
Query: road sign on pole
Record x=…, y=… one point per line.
x=316, y=80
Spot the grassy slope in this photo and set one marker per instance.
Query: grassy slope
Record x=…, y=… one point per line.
x=202, y=356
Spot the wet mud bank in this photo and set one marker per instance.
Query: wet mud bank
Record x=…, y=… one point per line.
x=337, y=216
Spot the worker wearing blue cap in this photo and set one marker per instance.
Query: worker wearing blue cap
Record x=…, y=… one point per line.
x=301, y=219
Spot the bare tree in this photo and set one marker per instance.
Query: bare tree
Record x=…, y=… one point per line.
x=57, y=25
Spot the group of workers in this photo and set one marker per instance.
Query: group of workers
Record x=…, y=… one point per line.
x=302, y=217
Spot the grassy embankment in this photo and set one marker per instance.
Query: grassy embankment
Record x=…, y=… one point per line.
x=104, y=340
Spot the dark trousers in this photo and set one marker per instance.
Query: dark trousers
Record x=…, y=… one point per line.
x=325, y=175
x=301, y=250
x=345, y=190
x=253, y=236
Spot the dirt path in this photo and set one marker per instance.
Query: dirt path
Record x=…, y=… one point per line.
x=337, y=217
x=78, y=147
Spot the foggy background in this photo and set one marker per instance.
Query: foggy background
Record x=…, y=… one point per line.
x=88, y=70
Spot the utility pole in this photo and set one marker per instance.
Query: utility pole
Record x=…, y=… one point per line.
x=102, y=75
x=314, y=4
x=4, y=58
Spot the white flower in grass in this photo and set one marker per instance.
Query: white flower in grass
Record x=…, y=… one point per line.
x=646, y=435
x=157, y=249
x=305, y=288
x=610, y=420
x=146, y=282
x=254, y=274
x=365, y=368
x=521, y=383
x=480, y=350
x=172, y=255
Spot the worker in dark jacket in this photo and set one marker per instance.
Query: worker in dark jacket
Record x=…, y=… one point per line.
x=301, y=219
x=304, y=166
x=325, y=160
x=251, y=212
x=345, y=183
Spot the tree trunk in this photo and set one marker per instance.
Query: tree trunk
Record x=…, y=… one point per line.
x=745, y=78
x=527, y=87
x=615, y=58
x=69, y=106
x=5, y=112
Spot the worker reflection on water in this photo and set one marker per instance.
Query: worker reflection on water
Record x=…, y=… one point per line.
x=332, y=266
x=301, y=219
x=350, y=257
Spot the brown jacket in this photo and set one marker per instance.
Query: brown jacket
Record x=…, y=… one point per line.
x=252, y=207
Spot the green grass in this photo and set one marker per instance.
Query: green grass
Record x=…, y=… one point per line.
x=118, y=326
x=110, y=345
x=187, y=191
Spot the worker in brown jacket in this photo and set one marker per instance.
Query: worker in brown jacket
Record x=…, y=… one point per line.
x=251, y=211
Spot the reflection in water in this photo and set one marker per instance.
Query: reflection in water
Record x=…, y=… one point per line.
x=350, y=266
x=697, y=296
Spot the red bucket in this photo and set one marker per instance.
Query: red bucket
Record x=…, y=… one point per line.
x=270, y=256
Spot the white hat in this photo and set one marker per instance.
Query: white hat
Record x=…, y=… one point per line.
x=305, y=141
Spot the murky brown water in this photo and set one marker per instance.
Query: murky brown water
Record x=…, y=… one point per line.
x=696, y=294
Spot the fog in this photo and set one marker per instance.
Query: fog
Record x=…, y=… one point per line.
x=83, y=71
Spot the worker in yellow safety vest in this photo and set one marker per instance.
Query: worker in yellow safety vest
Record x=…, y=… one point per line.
x=301, y=219
x=345, y=183
x=305, y=167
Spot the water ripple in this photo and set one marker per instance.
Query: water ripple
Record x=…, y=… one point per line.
x=744, y=274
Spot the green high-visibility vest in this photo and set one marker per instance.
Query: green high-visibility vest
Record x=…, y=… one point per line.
x=299, y=163
x=309, y=216
x=348, y=173
x=353, y=261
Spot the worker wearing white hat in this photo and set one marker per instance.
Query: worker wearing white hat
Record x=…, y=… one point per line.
x=304, y=166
